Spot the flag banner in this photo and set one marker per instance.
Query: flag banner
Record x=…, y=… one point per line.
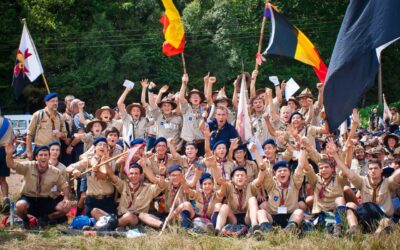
x=131, y=153
x=27, y=65
x=287, y=40
x=368, y=27
x=173, y=30
x=386, y=111
x=243, y=124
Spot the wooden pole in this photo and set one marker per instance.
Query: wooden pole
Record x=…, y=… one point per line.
x=171, y=210
x=45, y=83
x=261, y=34
x=380, y=101
x=102, y=163
x=183, y=63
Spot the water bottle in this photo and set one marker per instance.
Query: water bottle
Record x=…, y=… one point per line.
x=12, y=214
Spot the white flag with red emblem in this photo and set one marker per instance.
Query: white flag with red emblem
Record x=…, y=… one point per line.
x=131, y=153
x=243, y=124
x=27, y=64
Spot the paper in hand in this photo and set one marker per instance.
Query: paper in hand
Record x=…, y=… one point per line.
x=128, y=84
x=274, y=80
x=291, y=88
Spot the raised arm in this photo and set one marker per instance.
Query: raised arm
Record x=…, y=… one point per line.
x=278, y=92
x=331, y=149
x=207, y=146
x=172, y=149
x=182, y=92
x=152, y=95
x=196, y=177
x=320, y=87
x=260, y=164
x=235, y=97
x=121, y=100
x=254, y=75
x=234, y=145
x=211, y=81
x=163, y=90
x=145, y=85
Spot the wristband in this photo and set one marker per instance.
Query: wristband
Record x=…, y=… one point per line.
x=151, y=90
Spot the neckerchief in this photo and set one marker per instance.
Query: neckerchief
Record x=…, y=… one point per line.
x=324, y=184
x=282, y=187
x=165, y=160
x=375, y=189
x=190, y=162
x=52, y=119
x=206, y=203
x=39, y=179
x=173, y=192
x=222, y=163
x=133, y=193
x=240, y=198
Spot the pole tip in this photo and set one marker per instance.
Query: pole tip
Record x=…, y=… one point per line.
x=23, y=20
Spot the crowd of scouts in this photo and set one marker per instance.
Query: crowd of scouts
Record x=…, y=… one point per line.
x=190, y=163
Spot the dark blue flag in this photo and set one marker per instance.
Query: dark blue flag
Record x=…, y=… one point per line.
x=367, y=28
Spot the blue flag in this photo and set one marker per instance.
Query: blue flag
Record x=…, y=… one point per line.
x=367, y=28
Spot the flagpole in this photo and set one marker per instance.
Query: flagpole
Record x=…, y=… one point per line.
x=380, y=84
x=183, y=63
x=36, y=53
x=261, y=33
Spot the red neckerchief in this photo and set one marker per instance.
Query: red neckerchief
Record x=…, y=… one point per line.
x=222, y=162
x=190, y=162
x=282, y=188
x=165, y=160
x=240, y=198
x=321, y=193
x=173, y=192
x=133, y=193
x=39, y=179
x=206, y=203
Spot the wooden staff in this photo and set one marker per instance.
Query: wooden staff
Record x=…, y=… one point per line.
x=183, y=63
x=261, y=34
x=102, y=163
x=171, y=210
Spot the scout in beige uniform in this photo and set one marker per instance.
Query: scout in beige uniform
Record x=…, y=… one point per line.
x=283, y=194
x=192, y=115
x=46, y=125
x=311, y=111
x=94, y=129
x=160, y=156
x=237, y=154
x=107, y=114
x=135, y=124
x=224, y=166
x=376, y=193
x=40, y=180
x=54, y=150
x=241, y=207
x=100, y=190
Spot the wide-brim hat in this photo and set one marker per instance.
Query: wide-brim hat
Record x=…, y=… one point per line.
x=99, y=111
x=293, y=100
x=387, y=137
x=167, y=100
x=92, y=122
x=196, y=91
x=260, y=91
x=221, y=98
x=306, y=93
x=135, y=104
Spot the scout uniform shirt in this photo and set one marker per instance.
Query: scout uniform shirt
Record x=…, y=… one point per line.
x=170, y=192
x=136, y=201
x=224, y=167
x=115, y=123
x=202, y=204
x=62, y=168
x=282, y=199
x=168, y=127
x=133, y=129
x=237, y=199
x=382, y=194
x=37, y=184
x=251, y=170
x=42, y=126
x=191, y=121
x=95, y=186
x=153, y=163
x=310, y=132
x=259, y=127
x=325, y=194
x=188, y=167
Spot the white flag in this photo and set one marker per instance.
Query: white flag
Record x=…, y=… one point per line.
x=386, y=111
x=243, y=124
x=28, y=61
x=291, y=88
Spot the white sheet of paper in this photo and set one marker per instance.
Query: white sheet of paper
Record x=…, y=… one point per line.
x=282, y=210
x=274, y=80
x=128, y=84
x=258, y=144
x=291, y=88
x=54, y=189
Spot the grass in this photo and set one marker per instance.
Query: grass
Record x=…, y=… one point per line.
x=176, y=238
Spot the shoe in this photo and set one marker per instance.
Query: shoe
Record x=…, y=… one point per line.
x=120, y=229
x=6, y=206
x=209, y=228
x=255, y=230
x=385, y=226
x=292, y=229
x=87, y=228
x=337, y=230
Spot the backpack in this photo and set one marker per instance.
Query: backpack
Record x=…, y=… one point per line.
x=41, y=115
x=106, y=223
x=234, y=230
x=82, y=220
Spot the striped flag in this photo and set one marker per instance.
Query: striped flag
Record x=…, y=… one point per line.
x=243, y=124
x=173, y=30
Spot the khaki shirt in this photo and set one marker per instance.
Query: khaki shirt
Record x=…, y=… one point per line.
x=385, y=191
x=138, y=202
x=224, y=168
x=168, y=127
x=115, y=123
x=51, y=181
x=333, y=190
x=42, y=130
x=311, y=132
x=290, y=194
x=233, y=197
x=191, y=121
x=170, y=193
x=251, y=170
x=153, y=163
x=133, y=129
x=189, y=171
x=62, y=168
x=198, y=201
x=259, y=127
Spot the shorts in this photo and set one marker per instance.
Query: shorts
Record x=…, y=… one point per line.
x=161, y=216
x=4, y=170
x=108, y=205
x=240, y=218
x=369, y=214
x=83, y=186
x=41, y=206
x=280, y=219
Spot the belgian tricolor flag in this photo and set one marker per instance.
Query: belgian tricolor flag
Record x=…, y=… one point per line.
x=287, y=40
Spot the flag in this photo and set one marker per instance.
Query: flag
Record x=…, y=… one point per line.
x=386, y=111
x=287, y=40
x=367, y=28
x=173, y=31
x=243, y=124
x=131, y=152
x=27, y=65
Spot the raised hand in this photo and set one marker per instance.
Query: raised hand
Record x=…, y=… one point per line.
x=164, y=89
x=185, y=79
x=144, y=83
x=356, y=117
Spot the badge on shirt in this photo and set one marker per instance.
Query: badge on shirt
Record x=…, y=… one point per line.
x=161, y=123
x=275, y=198
x=54, y=188
x=282, y=210
x=190, y=118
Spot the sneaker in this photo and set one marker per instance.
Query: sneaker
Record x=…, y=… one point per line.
x=121, y=229
x=255, y=230
x=337, y=230
x=6, y=206
x=291, y=227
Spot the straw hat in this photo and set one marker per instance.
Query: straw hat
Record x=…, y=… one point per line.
x=138, y=105
x=99, y=111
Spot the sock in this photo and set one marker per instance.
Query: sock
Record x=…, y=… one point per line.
x=340, y=213
x=266, y=226
x=186, y=221
x=214, y=217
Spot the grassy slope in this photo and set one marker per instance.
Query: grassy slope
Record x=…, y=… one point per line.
x=177, y=239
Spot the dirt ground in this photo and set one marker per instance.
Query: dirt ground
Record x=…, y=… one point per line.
x=14, y=184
